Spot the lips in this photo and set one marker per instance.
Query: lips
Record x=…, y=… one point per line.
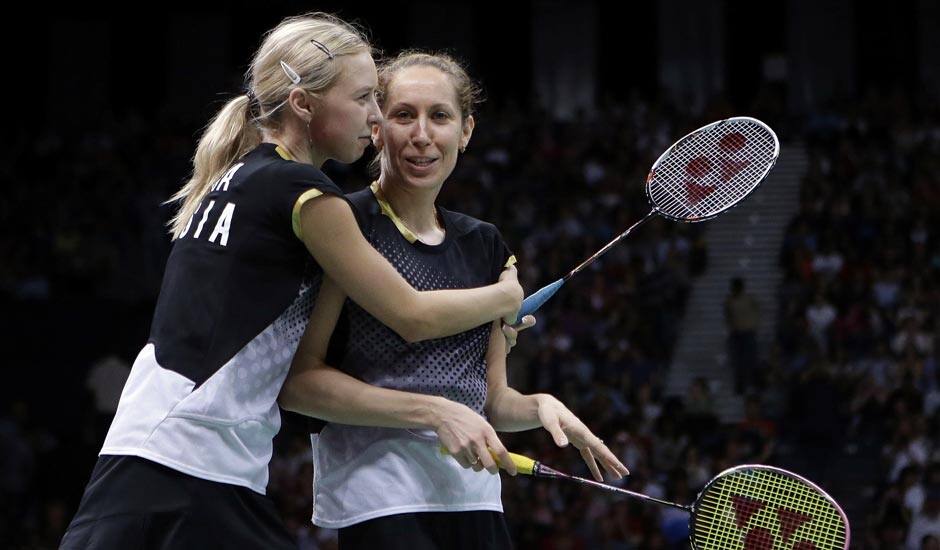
x=421, y=162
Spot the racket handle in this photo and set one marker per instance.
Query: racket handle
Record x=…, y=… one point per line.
x=531, y=304
x=524, y=464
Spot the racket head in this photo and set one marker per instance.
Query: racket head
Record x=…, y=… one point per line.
x=757, y=507
x=712, y=169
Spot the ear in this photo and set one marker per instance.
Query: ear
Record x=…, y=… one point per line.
x=377, y=140
x=301, y=104
x=466, y=131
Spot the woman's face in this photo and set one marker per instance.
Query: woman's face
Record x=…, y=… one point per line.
x=341, y=126
x=423, y=129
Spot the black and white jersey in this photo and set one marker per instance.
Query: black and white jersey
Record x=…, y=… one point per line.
x=472, y=254
x=235, y=300
x=361, y=473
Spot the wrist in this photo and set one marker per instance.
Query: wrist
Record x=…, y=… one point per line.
x=544, y=399
x=434, y=411
x=511, y=298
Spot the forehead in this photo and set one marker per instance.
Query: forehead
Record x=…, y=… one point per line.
x=357, y=70
x=421, y=85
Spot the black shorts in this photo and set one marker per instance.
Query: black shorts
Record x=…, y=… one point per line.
x=132, y=502
x=478, y=530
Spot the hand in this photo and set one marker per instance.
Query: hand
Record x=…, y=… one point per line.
x=509, y=279
x=565, y=426
x=511, y=332
x=470, y=439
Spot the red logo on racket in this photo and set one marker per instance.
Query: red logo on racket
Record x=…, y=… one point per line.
x=700, y=183
x=761, y=538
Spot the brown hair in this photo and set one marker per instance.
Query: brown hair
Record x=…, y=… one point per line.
x=469, y=93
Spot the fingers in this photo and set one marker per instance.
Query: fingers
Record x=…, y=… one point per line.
x=610, y=461
x=527, y=322
x=462, y=458
x=509, y=272
x=558, y=434
x=501, y=455
x=511, y=332
x=591, y=462
x=484, y=458
x=511, y=336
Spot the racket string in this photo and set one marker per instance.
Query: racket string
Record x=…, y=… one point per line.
x=678, y=194
x=768, y=498
x=707, y=145
x=715, y=197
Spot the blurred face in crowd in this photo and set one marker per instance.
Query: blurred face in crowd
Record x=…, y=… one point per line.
x=423, y=130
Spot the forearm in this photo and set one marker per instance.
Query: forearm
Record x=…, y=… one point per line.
x=332, y=395
x=442, y=313
x=332, y=236
x=510, y=411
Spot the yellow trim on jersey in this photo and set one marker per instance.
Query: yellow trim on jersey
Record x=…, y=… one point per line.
x=283, y=153
x=387, y=210
x=510, y=262
x=295, y=214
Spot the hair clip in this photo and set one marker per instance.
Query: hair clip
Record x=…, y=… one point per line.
x=291, y=73
x=320, y=45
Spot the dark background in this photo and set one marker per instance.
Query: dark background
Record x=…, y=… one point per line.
x=106, y=105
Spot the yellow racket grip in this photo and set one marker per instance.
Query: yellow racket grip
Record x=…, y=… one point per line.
x=524, y=464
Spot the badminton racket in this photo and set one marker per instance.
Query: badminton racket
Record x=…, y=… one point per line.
x=702, y=175
x=749, y=507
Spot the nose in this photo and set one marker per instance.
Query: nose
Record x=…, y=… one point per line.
x=375, y=114
x=420, y=135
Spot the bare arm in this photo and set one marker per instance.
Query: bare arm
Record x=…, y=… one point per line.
x=332, y=235
x=509, y=410
x=316, y=389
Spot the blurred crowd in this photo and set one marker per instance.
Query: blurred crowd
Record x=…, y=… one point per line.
x=859, y=308
x=852, y=370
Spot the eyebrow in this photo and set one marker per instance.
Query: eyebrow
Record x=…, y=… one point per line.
x=400, y=104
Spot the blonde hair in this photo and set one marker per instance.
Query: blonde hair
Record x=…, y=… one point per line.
x=468, y=93
x=302, y=49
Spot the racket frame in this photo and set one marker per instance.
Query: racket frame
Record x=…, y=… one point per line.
x=706, y=128
x=533, y=302
x=693, y=508
x=539, y=469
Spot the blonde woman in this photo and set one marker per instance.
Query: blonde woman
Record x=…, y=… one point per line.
x=388, y=487
x=185, y=462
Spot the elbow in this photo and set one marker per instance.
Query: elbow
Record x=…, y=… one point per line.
x=415, y=330
x=419, y=330
x=287, y=399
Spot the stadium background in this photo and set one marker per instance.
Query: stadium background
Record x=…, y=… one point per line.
x=582, y=97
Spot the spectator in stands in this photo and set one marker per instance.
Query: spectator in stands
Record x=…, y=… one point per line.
x=742, y=314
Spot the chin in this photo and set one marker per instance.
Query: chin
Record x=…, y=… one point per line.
x=351, y=156
x=424, y=182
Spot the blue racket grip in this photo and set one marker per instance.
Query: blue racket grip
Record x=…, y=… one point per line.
x=531, y=304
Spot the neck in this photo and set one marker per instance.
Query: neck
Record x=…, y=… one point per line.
x=295, y=144
x=413, y=205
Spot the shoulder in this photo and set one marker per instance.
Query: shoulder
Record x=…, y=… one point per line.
x=364, y=206
x=363, y=200
x=291, y=172
x=465, y=225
